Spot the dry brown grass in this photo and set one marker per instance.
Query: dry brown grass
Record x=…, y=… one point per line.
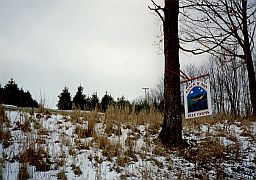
x=82, y=145
x=77, y=116
x=122, y=160
x=1, y=167
x=2, y=113
x=5, y=137
x=60, y=162
x=26, y=126
x=211, y=120
x=72, y=151
x=37, y=124
x=43, y=132
x=219, y=118
x=5, y=134
x=124, y=116
x=23, y=172
x=109, y=149
x=3, y=117
x=159, y=149
x=248, y=133
x=61, y=175
x=113, y=128
x=76, y=169
x=247, y=122
x=205, y=152
x=116, y=117
x=80, y=118
x=83, y=132
x=37, y=157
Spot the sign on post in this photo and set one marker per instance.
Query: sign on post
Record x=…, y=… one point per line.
x=197, y=99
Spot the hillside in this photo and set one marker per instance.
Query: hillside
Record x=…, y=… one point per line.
x=122, y=145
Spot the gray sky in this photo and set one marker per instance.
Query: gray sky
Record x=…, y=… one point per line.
x=104, y=45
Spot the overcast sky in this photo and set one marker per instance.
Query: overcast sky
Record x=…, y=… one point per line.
x=104, y=45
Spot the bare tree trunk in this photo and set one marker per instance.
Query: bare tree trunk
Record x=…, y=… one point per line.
x=171, y=133
x=248, y=58
x=252, y=82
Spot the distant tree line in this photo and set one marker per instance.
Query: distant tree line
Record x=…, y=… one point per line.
x=83, y=102
x=11, y=94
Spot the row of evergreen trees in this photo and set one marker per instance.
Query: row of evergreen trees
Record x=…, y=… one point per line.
x=81, y=101
x=11, y=94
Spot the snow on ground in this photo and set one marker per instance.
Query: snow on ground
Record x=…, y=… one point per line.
x=76, y=145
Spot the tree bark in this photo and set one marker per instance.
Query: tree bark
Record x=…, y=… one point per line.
x=248, y=58
x=171, y=133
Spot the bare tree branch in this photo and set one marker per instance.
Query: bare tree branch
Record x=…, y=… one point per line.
x=157, y=8
x=217, y=27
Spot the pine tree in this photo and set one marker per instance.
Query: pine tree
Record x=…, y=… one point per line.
x=122, y=103
x=106, y=101
x=65, y=102
x=87, y=102
x=26, y=99
x=79, y=99
x=12, y=93
x=94, y=101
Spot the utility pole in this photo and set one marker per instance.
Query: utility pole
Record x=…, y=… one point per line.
x=146, y=99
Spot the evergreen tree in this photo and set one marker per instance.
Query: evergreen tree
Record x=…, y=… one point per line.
x=65, y=102
x=87, y=101
x=94, y=101
x=79, y=99
x=11, y=93
x=26, y=99
x=122, y=103
x=106, y=101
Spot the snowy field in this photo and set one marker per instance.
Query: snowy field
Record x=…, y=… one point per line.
x=122, y=145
